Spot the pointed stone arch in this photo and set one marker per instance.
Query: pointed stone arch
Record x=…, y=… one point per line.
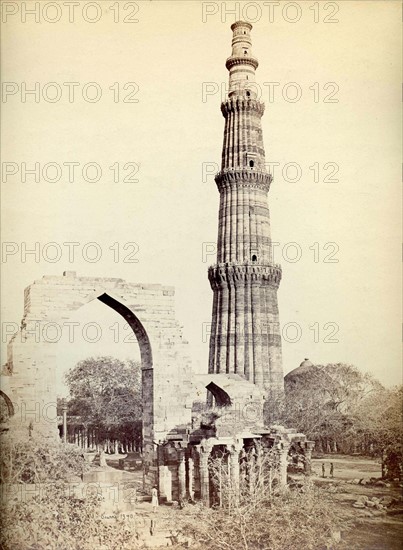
x=136, y=326
x=8, y=402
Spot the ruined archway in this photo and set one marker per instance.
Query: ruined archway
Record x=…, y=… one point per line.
x=150, y=312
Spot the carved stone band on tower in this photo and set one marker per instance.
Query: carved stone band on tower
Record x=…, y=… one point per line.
x=245, y=334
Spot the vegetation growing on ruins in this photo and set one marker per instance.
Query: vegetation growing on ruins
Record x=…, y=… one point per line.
x=56, y=519
x=262, y=518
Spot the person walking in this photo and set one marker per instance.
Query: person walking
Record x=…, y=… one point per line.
x=154, y=498
x=323, y=469
x=331, y=469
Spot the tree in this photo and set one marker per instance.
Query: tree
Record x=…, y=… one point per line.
x=106, y=398
x=378, y=421
x=322, y=402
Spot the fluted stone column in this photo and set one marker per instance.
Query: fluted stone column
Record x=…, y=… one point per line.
x=244, y=279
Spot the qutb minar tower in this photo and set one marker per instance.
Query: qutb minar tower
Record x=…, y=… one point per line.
x=245, y=333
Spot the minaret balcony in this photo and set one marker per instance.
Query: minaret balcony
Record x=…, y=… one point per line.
x=241, y=60
x=240, y=272
x=240, y=103
x=243, y=177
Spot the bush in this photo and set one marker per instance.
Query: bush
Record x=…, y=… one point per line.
x=56, y=521
x=298, y=518
x=39, y=460
x=260, y=514
x=53, y=518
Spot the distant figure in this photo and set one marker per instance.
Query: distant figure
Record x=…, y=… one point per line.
x=331, y=469
x=154, y=498
x=323, y=469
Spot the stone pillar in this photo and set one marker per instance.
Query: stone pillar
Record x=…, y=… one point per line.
x=309, y=445
x=190, y=479
x=165, y=483
x=252, y=470
x=204, y=476
x=196, y=472
x=283, y=448
x=182, y=475
x=234, y=468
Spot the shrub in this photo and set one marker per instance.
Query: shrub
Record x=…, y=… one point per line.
x=263, y=516
x=298, y=518
x=56, y=521
x=39, y=460
x=53, y=518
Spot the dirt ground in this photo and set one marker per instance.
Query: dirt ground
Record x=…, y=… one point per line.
x=365, y=529
x=381, y=530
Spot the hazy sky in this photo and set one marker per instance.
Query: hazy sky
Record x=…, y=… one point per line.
x=174, y=52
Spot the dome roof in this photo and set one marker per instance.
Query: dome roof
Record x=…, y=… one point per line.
x=305, y=366
x=306, y=363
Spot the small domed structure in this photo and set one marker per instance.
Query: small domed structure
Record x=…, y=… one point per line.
x=306, y=363
x=305, y=366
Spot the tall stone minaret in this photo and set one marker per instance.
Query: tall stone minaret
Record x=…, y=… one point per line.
x=245, y=337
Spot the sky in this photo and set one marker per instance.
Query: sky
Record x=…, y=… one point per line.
x=128, y=94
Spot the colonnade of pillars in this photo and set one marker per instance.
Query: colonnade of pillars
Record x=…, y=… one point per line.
x=89, y=439
x=193, y=469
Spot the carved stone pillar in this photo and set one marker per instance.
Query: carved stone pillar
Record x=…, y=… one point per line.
x=283, y=448
x=234, y=451
x=252, y=470
x=196, y=472
x=235, y=469
x=309, y=445
x=182, y=475
x=204, y=454
x=190, y=479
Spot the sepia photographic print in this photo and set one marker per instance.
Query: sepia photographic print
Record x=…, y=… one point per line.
x=201, y=275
